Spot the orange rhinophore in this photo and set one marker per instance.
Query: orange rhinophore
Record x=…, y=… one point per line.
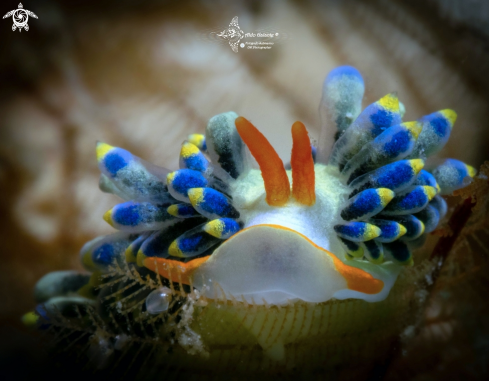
x=272, y=168
x=175, y=271
x=302, y=165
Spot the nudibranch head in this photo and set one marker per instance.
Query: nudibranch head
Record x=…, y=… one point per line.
x=339, y=227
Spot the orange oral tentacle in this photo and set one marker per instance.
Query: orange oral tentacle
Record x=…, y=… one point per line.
x=302, y=165
x=272, y=168
x=175, y=271
x=357, y=279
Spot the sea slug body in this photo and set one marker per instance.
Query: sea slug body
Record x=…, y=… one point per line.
x=337, y=227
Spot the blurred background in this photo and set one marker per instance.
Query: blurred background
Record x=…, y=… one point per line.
x=144, y=74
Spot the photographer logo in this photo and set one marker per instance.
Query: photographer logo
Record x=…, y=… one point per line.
x=234, y=35
x=20, y=17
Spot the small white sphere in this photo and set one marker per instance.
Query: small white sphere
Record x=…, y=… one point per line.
x=158, y=300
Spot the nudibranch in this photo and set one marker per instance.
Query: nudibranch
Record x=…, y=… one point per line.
x=338, y=226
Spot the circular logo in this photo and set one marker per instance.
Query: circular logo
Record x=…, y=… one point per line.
x=242, y=45
x=20, y=18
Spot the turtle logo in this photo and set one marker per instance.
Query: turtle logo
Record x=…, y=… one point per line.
x=20, y=17
x=234, y=34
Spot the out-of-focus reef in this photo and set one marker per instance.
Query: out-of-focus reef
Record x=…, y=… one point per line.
x=145, y=75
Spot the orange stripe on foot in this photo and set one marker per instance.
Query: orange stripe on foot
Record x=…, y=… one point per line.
x=272, y=168
x=302, y=165
x=175, y=271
